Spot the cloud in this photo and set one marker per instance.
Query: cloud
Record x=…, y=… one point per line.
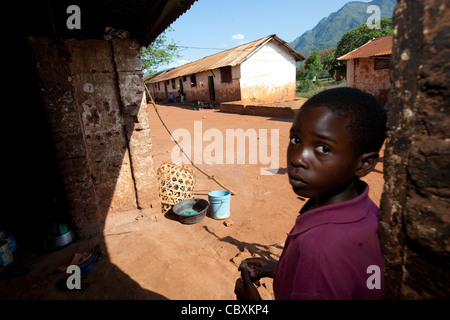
x=238, y=37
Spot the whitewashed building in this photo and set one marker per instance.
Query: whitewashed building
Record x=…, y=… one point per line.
x=259, y=71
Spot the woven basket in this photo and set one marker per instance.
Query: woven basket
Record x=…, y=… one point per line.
x=175, y=183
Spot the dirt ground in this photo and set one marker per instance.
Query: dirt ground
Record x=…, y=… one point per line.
x=149, y=255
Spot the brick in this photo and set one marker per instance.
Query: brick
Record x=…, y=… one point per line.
x=90, y=56
x=127, y=55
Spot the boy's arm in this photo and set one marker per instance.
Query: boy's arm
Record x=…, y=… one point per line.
x=244, y=289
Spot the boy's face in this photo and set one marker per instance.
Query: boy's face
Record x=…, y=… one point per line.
x=321, y=155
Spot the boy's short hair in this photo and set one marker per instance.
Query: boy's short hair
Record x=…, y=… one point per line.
x=367, y=118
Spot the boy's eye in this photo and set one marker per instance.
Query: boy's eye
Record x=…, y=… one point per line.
x=323, y=149
x=295, y=140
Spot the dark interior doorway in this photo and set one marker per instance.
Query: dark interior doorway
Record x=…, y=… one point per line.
x=212, y=93
x=181, y=86
x=36, y=197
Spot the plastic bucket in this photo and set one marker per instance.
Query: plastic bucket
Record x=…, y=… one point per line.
x=9, y=238
x=219, y=204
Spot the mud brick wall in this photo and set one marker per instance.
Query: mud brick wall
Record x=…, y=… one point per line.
x=368, y=79
x=415, y=215
x=96, y=107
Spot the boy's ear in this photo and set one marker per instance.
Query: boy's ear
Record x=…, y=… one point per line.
x=367, y=163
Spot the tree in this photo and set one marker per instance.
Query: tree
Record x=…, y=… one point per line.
x=329, y=61
x=313, y=64
x=300, y=72
x=159, y=52
x=355, y=38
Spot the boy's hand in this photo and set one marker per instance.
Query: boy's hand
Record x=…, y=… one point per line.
x=244, y=288
x=252, y=270
x=260, y=268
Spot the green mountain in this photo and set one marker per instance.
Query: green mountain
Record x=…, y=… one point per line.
x=327, y=33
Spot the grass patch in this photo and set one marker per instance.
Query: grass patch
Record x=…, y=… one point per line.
x=306, y=88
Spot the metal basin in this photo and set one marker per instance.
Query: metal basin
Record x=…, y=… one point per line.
x=53, y=243
x=191, y=211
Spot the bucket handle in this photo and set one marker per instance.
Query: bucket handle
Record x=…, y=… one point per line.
x=221, y=201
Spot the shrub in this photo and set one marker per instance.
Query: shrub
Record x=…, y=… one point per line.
x=319, y=82
x=305, y=85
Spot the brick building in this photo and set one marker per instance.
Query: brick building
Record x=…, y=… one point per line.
x=368, y=67
x=87, y=152
x=259, y=71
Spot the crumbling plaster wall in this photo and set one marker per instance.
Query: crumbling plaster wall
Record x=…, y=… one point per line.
x=376, y=82
x=96, y=107
x=224, y=91
x=415, y=216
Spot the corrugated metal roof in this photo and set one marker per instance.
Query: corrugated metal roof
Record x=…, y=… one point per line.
x=230, y=57
x=376, y=47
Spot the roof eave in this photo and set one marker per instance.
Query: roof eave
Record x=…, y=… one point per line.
x=297, y=55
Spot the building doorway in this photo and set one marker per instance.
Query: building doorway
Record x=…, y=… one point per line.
x=165, y=89
x=212, y=93
x=181, y=86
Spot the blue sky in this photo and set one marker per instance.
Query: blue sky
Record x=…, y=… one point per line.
x=224, y=24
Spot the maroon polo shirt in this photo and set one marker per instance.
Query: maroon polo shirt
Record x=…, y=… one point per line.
x=333, y=252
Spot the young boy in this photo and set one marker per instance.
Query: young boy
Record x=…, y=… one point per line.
x=333, y=251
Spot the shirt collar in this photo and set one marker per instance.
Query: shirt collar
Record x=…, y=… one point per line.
x=342, y=212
